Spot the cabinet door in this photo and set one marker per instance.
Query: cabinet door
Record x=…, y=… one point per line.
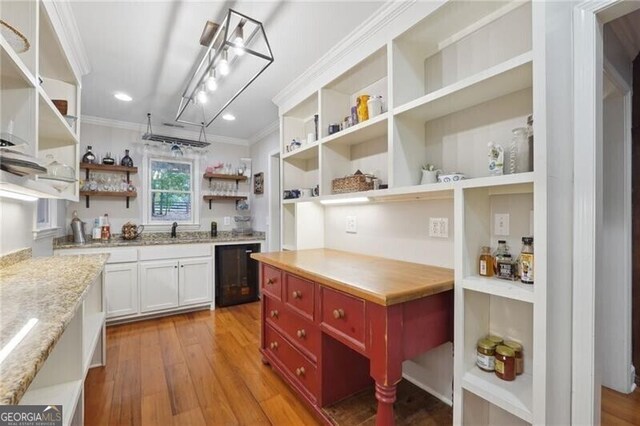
x=158, y=285
x=195, y=281
x=121, y=288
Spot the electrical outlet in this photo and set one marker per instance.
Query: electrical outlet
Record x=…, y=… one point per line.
x=227, y=220
x=501, y=224
x=439, y=227
x=444, y=227
x=434, y=227
x=352, y=225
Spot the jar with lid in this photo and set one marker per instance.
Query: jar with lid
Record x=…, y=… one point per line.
x=500, y=251
x=506, y=267
x=525, y=261
x=505, y=366
x=497, y=340
x=485, y=355
x=485, y=264
x=519, y=152
x=374, y=105
x=517, y=349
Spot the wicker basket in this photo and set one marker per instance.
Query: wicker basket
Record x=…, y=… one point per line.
x=353, y=183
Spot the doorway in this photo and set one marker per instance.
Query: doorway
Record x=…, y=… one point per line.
x=602, y=305
x=273, y=236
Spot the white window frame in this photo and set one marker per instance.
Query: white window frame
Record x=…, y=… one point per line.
x=154, y=225
x=49, y=228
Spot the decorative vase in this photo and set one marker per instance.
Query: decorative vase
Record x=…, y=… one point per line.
x=429, y=176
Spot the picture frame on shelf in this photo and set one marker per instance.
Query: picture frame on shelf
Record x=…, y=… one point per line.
x=258, y=183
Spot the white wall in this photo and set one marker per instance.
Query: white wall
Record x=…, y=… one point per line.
x=115, y=140
x=16, y=224
x=260, y=152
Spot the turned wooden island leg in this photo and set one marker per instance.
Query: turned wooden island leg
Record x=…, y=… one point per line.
x=386, y=355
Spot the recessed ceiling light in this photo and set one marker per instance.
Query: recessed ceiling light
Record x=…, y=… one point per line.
x=229, y=117
x=123, y=97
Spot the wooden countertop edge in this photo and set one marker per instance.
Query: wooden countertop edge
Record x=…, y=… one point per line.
x=391, y=299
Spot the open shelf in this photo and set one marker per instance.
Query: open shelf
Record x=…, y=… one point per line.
x=500, y=80
x=66, y=394
x=108, y=168
x=509, y=289
x=305, y=152
x=26, y=185
x=370, y=129
x=299, y=121
x=224, y=197
x=92, y=330
x=219, y=176
x=120, y=194
x=14, y=73
x=53, y=129
x=53, y=62
x=514, y=397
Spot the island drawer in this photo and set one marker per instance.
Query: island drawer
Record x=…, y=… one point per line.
x=343, y=316
x=299, y=295
x=272, y=281
x=300, y=370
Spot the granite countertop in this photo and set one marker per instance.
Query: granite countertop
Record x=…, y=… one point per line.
x=46, y=289
x=379, y=280
x=160, y=238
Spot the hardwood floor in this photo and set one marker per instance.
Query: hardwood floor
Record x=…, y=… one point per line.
x=200, y=368
x=619, y=409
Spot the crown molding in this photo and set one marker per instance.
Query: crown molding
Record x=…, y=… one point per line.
x=142, y=127
x=265, y=132
x=64, y=21
x=363, y=32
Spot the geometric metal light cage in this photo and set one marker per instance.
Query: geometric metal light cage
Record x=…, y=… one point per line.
x=237, y=54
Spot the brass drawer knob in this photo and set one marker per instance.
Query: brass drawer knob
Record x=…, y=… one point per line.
x=274, y=345
x=270, y=281
x=301, y=333
x=300, y=371
x=274, y=313
x=297, y=294
x=338, y=313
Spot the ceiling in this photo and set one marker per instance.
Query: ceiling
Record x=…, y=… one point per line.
x=148, y=49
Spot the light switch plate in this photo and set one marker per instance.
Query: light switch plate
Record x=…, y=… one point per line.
x=227, y=220
x=351, y=225
x=434, y=227
x=444, y=227
x=501, y=224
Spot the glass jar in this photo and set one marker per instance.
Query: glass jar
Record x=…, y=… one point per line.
x=505, y=367
x=519, y=152
x=525, y=261
x=485, y=264
x=517, y=349
x=362, y=109
x=374, y=105
x=485, y=355
x=530, y=139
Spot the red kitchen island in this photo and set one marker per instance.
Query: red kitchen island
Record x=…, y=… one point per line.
x=334, y=322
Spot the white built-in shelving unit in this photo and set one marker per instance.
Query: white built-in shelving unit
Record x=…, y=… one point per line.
x=29, y=82
x=60, y=380
x=461, y=77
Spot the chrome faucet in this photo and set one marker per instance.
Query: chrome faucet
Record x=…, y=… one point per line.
x=173, y=229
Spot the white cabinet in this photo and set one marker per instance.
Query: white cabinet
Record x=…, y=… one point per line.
x=158, y=285
x=121, y=283
x=166, y=284
x=195, y=278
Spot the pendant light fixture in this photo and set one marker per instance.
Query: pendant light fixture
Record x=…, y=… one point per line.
x=236, y=54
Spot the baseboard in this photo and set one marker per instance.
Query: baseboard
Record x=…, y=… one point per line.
x=154, y=315
x=426, y=388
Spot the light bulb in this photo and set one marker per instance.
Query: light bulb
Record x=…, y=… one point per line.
x=239, y=42
x=212, y=84
x=223, y=65
x=202, y=96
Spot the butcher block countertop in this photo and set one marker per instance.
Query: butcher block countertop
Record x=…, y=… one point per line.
x=376, y=279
